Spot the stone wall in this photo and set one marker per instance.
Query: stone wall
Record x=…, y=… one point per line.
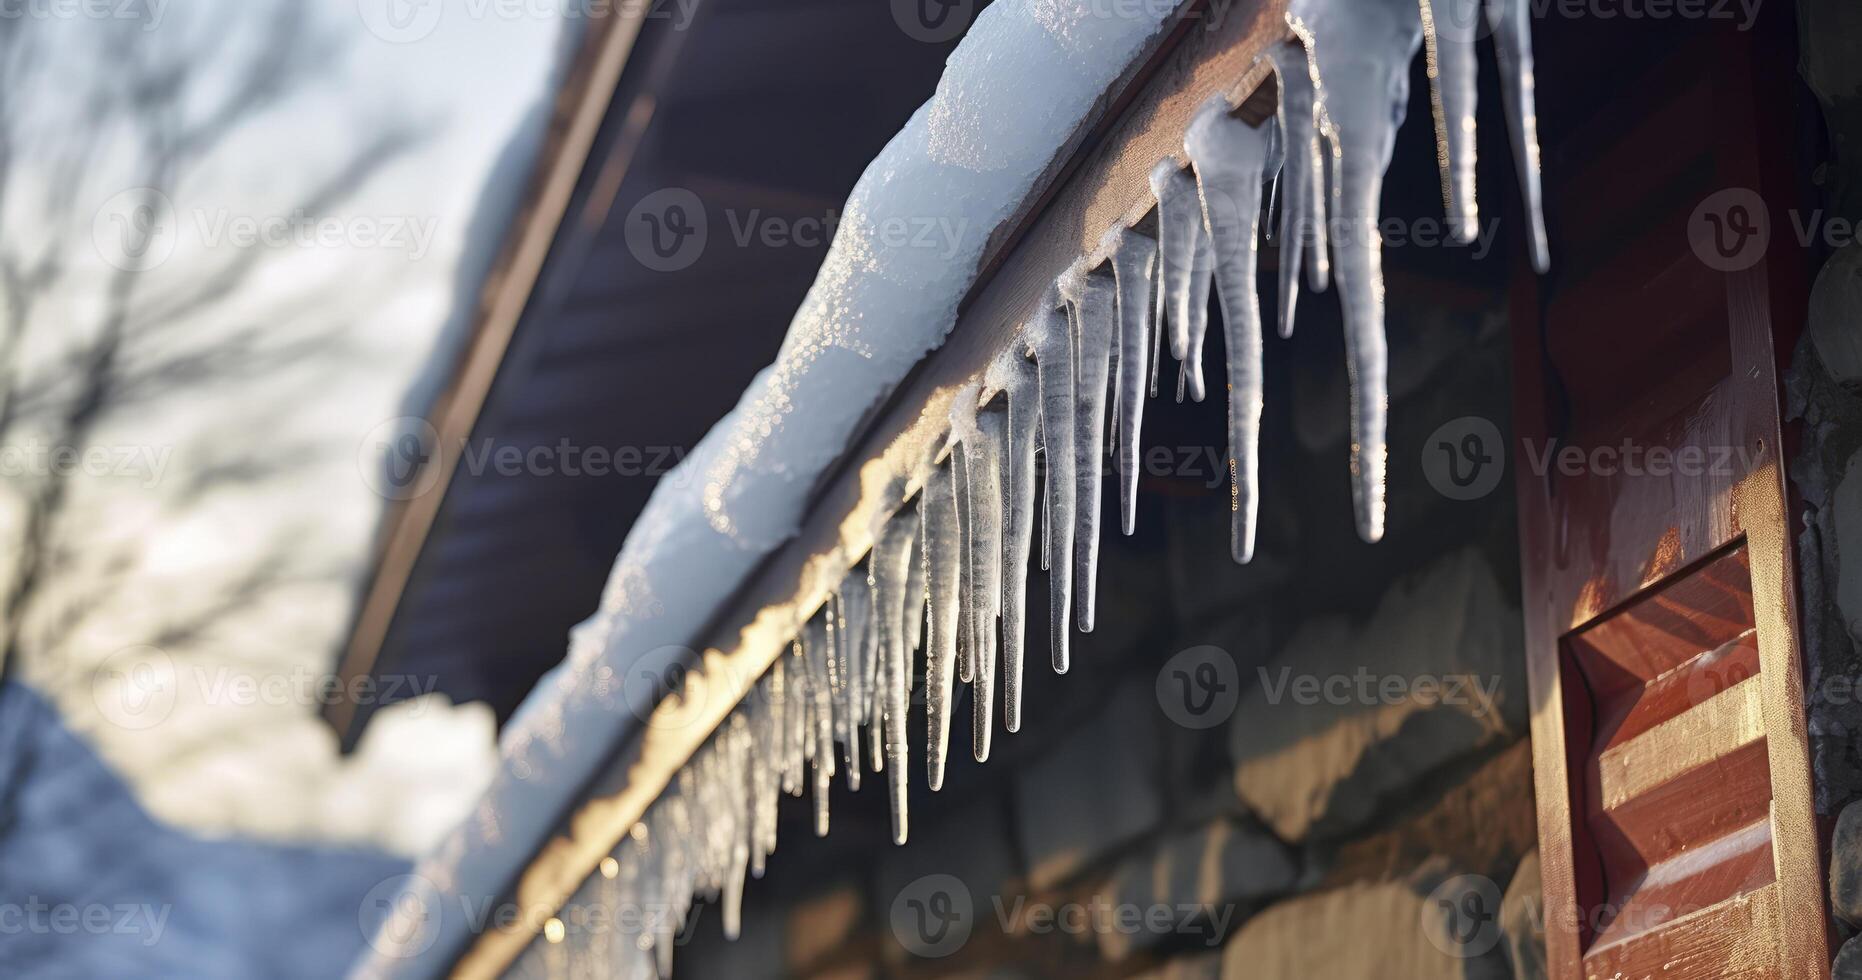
x=1824, y=401
x=1313, y=766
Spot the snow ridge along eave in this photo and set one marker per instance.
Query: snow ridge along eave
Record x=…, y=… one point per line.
x=968, y=164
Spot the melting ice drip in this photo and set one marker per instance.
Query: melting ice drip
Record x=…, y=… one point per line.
x=949, y=569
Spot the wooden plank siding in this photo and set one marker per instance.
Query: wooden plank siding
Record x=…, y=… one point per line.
x=1677, y=834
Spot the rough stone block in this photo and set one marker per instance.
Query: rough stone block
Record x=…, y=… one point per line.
x=1835, y=312
x=1192, y=966
x=1848, y=961
x=1846, y=504
x=1210, y=877
x=1350, y=714
x=822, y=923
x=1846, y=865
x=1389, y=931
x=1093, y=791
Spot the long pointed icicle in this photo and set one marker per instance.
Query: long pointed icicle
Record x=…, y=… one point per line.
x=1229, y=156
x=795, y=722
x=764, y=723
x=983, y=434
x=1362, y=56
x=960, y=480
x=892, y=561
x=943, y=555
x=856, y=624
x=1019, y=380
x=816, y=650
x=1093, y=298
x=1053, y=339
x=978, y=558
x=1132, y=263
x=1448, y=30
x=1511, y=21
x=872, y=702
x=1302, y=201
x=733, y=809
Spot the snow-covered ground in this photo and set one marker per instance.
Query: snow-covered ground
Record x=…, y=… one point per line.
x=92, y=886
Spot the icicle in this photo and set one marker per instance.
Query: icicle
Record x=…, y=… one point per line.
x=943, y=554
x=764, y=750
x=1361, y=53
x=960, y=479
x=871, y=699
x=1053, y=340
x=1448, y=30
x=1229, y=156
x=732, y=811
x=892, y=563
x=817, y=651
x=1093, y=298
x=1186, y=262
x=847, y=636
x=1133, y=260
x=1019, y=380
x=979, y=435
x=1302, y=208
x=1157, y=325
x=795, y=715
x=1511, y=21
x=914, y=611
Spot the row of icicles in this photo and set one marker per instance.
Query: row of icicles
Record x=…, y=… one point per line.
x=949, y=570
